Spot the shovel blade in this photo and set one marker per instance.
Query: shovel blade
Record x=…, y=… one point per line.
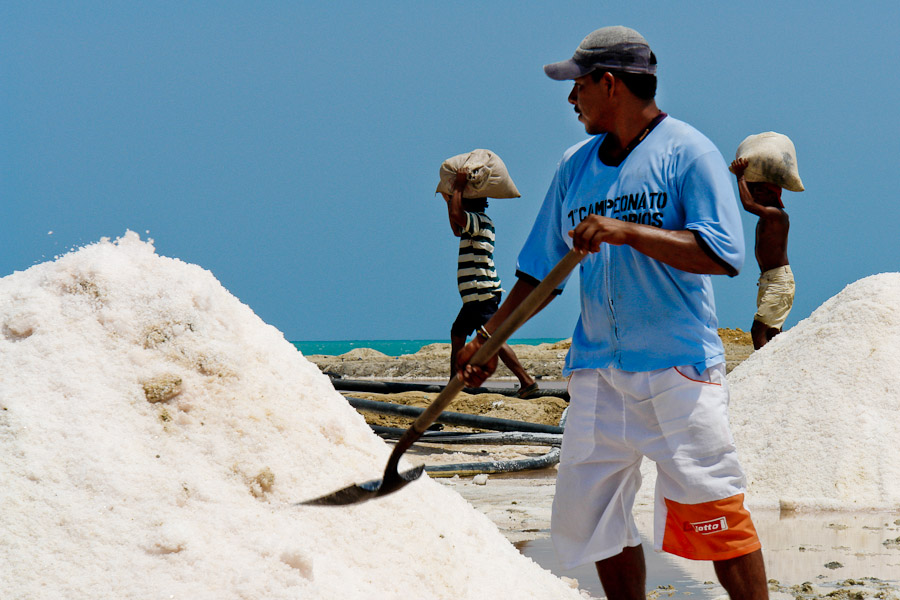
x=363, y=492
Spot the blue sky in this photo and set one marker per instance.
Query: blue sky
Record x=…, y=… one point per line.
x=292, y=148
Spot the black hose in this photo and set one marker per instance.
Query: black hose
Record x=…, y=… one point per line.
x=486, y=439
x=453, y=418
x=495, y=466
x=396, y=387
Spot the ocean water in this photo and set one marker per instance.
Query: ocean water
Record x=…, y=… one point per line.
x=390, y=347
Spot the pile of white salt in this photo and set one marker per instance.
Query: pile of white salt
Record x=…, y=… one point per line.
x=816, y=412
x=156, y=434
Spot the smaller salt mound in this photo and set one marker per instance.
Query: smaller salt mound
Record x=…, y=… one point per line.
x=816, y=412
x=155, y=435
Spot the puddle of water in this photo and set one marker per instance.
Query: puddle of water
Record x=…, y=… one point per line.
x=825, y=546
x=663, y=573
x=830, y=550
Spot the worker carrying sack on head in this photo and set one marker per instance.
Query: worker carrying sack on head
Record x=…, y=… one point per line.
x=764, y=164
x=467, y=181
x=486, y=176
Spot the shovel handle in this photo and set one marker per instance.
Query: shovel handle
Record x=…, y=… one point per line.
x=516, y=319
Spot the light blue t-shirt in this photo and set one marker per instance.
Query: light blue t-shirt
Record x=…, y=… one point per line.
x=639, y=314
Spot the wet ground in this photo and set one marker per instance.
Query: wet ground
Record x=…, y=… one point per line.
x=808, y=555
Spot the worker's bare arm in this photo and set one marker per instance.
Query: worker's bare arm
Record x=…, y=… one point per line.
x=676, y=248
x=738, y=166
x=455, y=210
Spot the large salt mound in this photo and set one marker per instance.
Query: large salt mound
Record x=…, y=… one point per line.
x=155, y=434
x=816, y=412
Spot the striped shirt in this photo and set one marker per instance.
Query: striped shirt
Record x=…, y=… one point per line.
x=476, y=276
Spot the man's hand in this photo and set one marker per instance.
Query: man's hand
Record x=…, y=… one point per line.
x=738, y=166
x=458, y=185
x=474, y=375
x=462, y=178
x=595, y=230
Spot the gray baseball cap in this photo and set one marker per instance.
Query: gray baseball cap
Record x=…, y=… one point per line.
x=616, y=48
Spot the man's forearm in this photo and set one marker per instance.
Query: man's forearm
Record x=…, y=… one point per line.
x=455, y=211
x=679, y=249
x=747, y=200
x=676, y=248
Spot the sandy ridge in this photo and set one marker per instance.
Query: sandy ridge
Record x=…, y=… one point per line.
x=543, y=361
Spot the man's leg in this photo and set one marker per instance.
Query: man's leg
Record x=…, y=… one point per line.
x=744, y=577
x=758, y=331
x=460, y=330
x=456, y=344
x=509, y=358
x=624, y=576
x=689, y=409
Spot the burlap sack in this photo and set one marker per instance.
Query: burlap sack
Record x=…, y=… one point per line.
x=772, y=159
x=487, y=175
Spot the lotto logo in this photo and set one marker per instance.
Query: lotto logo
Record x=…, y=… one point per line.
x=712, y=526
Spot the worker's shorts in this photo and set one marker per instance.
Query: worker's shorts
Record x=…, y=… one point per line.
x=775, y=296
x=677, y=417
x=473, y=315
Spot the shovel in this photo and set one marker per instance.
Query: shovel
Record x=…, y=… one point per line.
x=393, y=479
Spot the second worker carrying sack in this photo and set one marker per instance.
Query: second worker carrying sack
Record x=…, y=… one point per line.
x=487, y=175
x=772, y=159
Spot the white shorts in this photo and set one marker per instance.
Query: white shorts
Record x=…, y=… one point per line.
x=677, y=417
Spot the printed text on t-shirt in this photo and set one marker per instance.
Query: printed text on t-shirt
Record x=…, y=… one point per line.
x=637, y=208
